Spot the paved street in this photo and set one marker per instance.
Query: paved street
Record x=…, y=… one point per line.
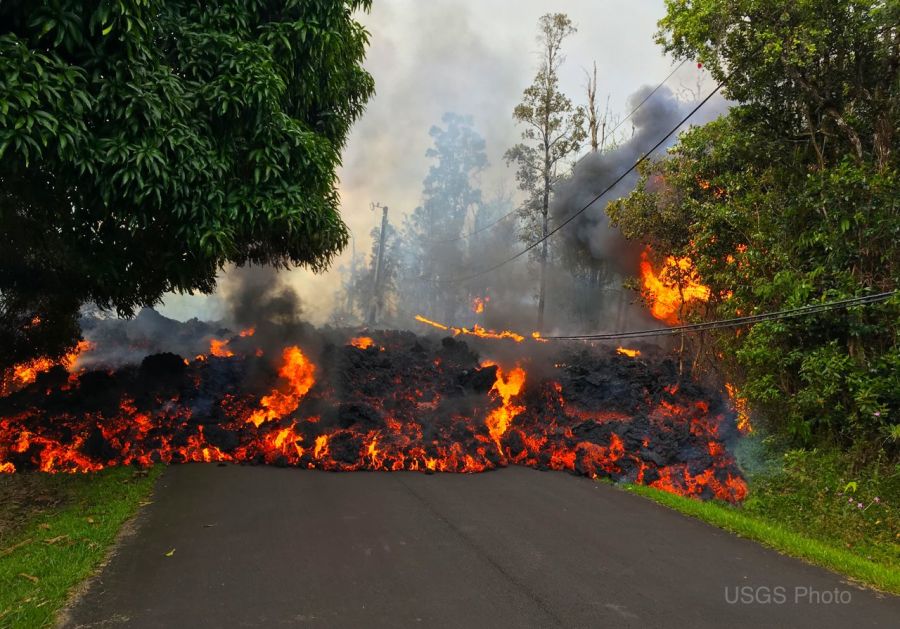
x=269, y=547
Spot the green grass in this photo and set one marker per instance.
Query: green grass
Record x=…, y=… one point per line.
x=56, y=529
x=804, y=503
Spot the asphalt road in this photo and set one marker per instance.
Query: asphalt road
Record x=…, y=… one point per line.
x=267, y=547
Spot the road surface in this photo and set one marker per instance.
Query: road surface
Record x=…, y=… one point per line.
x=269, y=547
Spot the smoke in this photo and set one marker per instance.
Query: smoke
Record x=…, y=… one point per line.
x=591, y=230
x=259, y=294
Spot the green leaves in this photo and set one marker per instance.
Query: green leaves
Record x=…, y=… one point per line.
x=145, y=144
x=777, y=206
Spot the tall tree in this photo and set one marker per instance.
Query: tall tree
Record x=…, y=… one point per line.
x=146, y=144
x=450, y=195
x=554, y=129
x=789, y=199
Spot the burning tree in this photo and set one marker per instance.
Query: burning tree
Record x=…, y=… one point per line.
x=145, y=145
x=789, y=199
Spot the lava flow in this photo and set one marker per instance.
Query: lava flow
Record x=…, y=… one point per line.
x=400, y=402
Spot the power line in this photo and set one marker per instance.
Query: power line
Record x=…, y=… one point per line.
x=735, y=322
x=618, y=179
x=578, y=161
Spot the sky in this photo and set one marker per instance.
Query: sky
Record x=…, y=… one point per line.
x=471, y=57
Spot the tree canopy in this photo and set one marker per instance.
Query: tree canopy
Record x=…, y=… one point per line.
x=791, y=198
x=553, y=131
x=145, y=144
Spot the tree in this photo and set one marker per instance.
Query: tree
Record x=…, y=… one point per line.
x=146, y=144
x=554, y=129
x=364, y=282
x=789, y=199
x=450, y=195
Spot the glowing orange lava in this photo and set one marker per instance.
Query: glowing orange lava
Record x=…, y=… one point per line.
x=219, y=348
x=410, y=408
x=362, y=342
x=480, y=332
x=27, y=372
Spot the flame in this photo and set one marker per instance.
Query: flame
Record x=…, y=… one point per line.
x=299, y=374
x=631, y=353
x=741, y=407
x=219, y=348
x=247, y=332
x=25, y=373
x=500, y=419
x=362, y=342
x=478, y=304
x=665, y=295
x=321, y=448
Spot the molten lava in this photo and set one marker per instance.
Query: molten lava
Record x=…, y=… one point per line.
x=419, y=404
x=27, y=372
x=219, y=348
x=362, y=342
x=480, y=332
x=672, y=288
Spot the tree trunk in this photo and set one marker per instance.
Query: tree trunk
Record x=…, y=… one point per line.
x=545, y=228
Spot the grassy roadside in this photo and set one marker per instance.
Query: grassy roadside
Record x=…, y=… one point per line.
x=817, y=506
x=55, y=530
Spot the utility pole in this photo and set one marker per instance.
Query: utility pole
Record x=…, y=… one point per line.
x=379, y=264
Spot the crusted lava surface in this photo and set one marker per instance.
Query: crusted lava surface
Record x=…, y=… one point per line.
x=331, y=399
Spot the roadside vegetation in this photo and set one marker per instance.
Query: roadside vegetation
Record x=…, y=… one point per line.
x=55, y=530
x=818, y=505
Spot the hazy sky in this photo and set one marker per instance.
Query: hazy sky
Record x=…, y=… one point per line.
x=471, y=57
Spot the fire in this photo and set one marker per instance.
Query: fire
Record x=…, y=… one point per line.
x=362, y=342
x=674, y=286
x=434, y=324
x=480, y=332
x=219, y=348
x=25, y=373
x=247, y=332
x=478, y=304
x=321, y=447
x=500, y=419
x=299, y=375
x=631, y=353
x=741, y=407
